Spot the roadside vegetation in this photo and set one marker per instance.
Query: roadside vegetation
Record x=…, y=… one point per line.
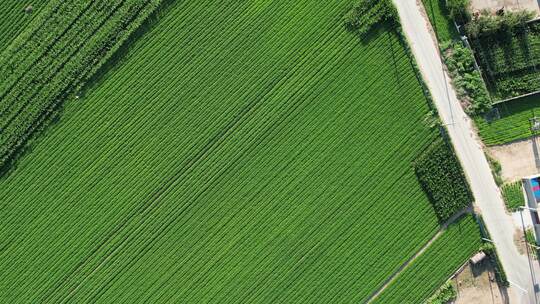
x=500, y=275
x=530, y=240
x=459, y=59
x=513, y=195
x=446, y=294
x=467, y=80
x=442, y=177
x=438, y=13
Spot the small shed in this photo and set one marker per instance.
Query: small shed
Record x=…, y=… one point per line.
x=477, y=258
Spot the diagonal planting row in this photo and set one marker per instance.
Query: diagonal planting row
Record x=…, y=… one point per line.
x=15, y=17
x=54, y=57
x=133, y=245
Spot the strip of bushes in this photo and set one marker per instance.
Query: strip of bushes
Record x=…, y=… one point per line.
x=54, y=57
x=442, y=177
x=502, y=24
x=466, y=79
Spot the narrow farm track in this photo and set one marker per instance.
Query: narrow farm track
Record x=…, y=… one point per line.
x=405, y=265
x=427, y=273
x=241, y=152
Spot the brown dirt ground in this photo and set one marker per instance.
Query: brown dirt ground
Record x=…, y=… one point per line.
x=518, y=159
x=476, y=284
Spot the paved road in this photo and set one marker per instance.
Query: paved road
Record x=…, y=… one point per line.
x=468, y=149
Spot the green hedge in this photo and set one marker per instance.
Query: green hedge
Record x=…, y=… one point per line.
x=442, y=177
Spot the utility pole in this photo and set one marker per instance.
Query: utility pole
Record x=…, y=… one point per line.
x=527, y=250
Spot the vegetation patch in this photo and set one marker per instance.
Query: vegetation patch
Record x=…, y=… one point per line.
x=15, y=18
x=367, y=13
x=438, y=13
x=458, y=10
x=513, y=195
x=512, y=121
x=530, y=239
x=445, y=294
x=235, y=155
x=442, y=177
x=459, y=59
x=466, y=79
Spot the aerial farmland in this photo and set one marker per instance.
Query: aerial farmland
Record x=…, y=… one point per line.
x=226, y=152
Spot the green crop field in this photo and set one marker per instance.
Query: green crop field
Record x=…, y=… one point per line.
x=510, y=64
x=513, y=195
x=14, y=19
x=514, y=121
x=239, y=152
x=427, y=273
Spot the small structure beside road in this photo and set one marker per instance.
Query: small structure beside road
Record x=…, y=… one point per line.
x=532, y=189
x=477, y=258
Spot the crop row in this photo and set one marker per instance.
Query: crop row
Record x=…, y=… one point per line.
x=172, y=214
x=518, y=83
x=514, y=121
x=513, y=195
x=49, y=72
x=511, y=64
x=431, y=269
x=15, y=19
x=519, y=53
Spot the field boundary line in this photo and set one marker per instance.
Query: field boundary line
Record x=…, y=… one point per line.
x=408, y=262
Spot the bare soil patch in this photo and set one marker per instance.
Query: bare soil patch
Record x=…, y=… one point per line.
x=517, y=159
x=476, y=284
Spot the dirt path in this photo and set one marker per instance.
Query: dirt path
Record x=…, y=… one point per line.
x=405, y=265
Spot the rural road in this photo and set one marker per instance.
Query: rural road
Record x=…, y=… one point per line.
x=468, y=148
